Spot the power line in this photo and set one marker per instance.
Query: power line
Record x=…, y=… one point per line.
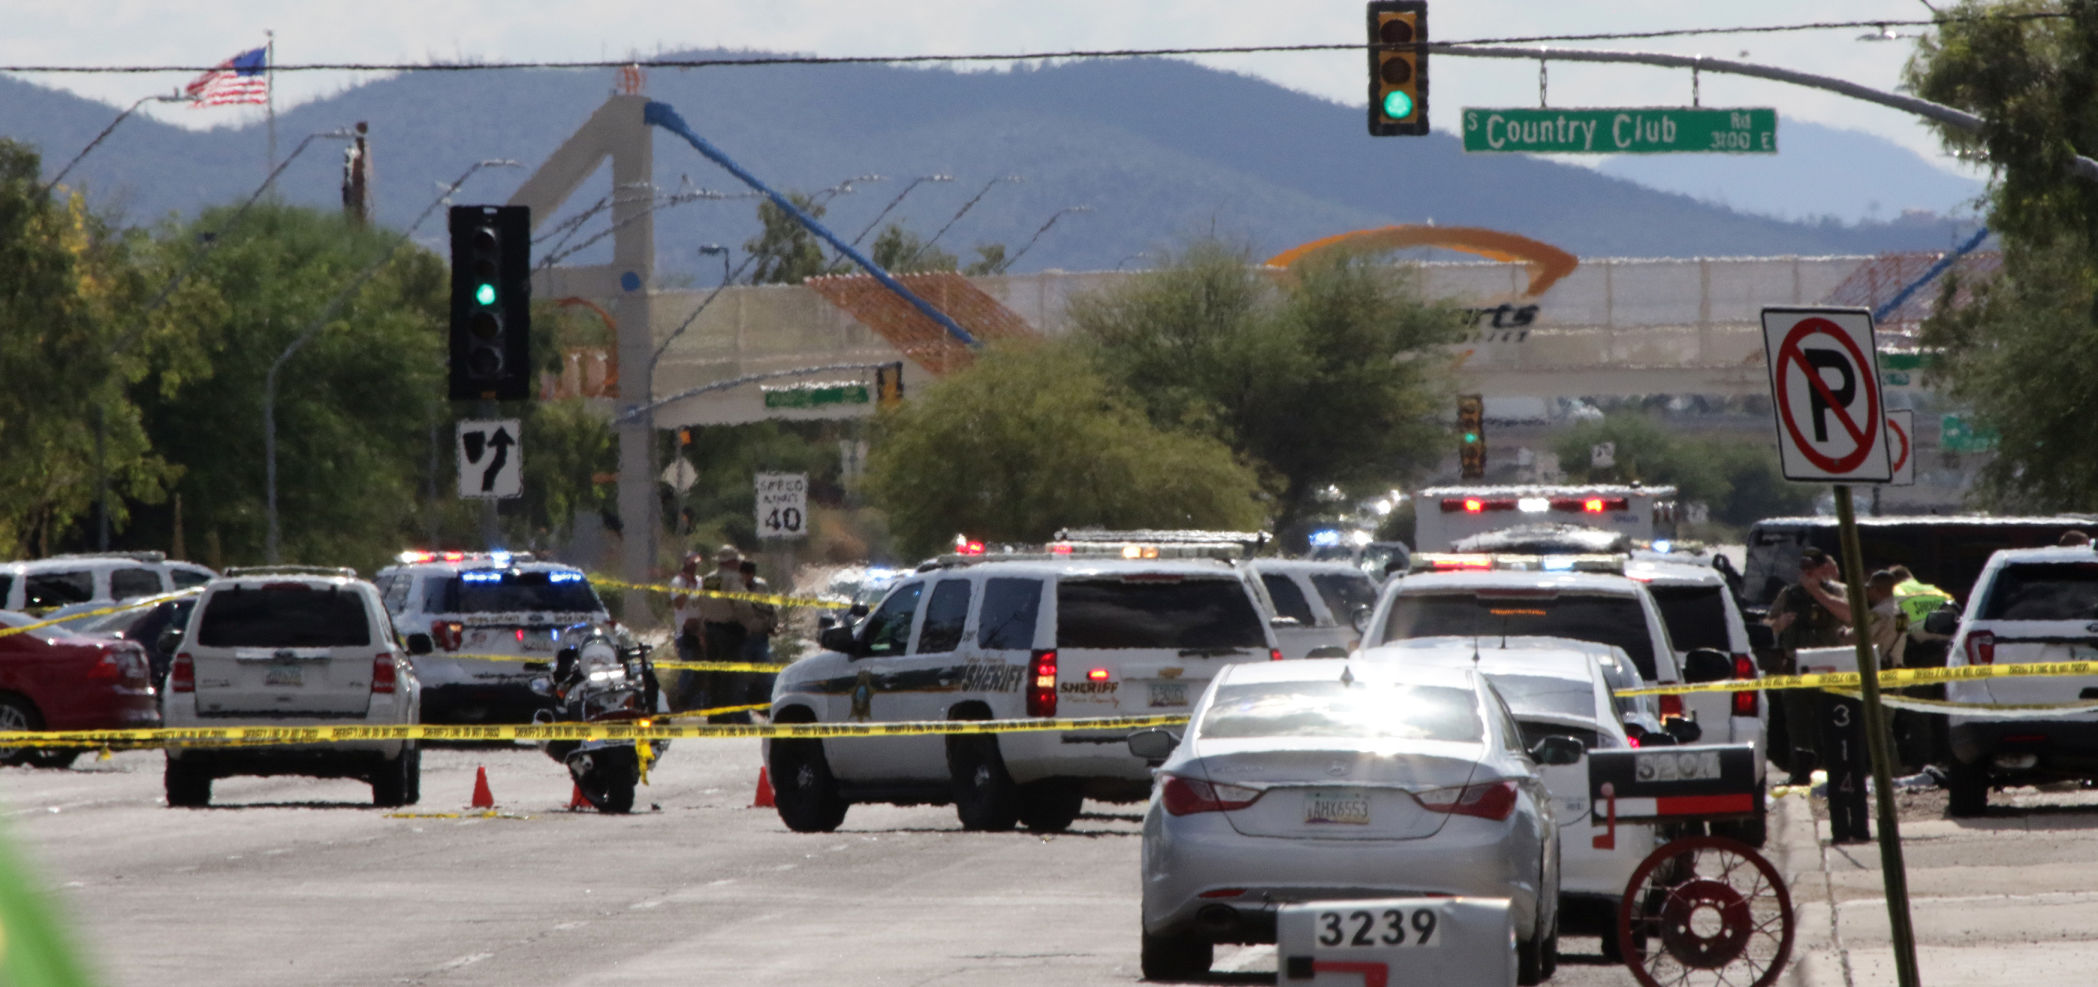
x=769, y=60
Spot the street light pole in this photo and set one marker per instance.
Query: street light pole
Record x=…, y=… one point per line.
x=106, y=131
x=269, y=380
x=958, y=214
x=898, y=200
x=1009, y=261
x=727, y=276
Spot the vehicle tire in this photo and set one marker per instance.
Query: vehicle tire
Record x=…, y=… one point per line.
x=414, y=791
x=1176, y=957
x=1548, y=956
x=390, y=781
x=985, y=796
x=1529, y=962
x=188, y=785
x=17, y=714
x=1967, y=790
x=55, y=757
x=1754, y=832
x=803, y=789
x=1050, y=806
x=609, y=784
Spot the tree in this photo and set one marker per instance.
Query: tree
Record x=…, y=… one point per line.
x=1034, y=437
x=1741, y=482
x=899, y=251
x=2018, y=353
x=785, y=251
x=1328, y=375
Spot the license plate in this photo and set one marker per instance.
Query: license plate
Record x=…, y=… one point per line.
x=284, y=675
x=1168, y=693
x=1345, y=807
x=539, y=641
x=1380, y=928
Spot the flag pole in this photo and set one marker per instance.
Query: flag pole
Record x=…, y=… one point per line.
x=269, y=90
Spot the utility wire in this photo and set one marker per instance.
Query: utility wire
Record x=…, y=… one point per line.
x=747, y=61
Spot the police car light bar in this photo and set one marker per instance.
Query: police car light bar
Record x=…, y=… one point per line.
x=1474, y=561
x=1535, y=505
x=500, y=558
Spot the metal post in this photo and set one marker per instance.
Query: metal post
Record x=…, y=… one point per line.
x=489, y=522
x=1878, y=742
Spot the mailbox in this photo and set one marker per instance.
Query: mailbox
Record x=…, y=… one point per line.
x=1389, y=942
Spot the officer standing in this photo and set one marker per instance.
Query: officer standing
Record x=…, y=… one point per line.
x=723, y=625
x=759, y=628
x=1803, y=616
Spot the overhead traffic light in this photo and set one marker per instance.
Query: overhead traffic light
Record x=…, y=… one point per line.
x=888, y=385
x=491, y=303
x=1398, y=72
x=1471, y=437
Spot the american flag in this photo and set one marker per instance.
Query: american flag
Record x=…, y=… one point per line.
x=244, y=78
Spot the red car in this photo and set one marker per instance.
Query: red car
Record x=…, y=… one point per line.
x=54, y=679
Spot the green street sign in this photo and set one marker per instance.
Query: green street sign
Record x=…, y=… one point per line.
x=1957, y=434
x=815, y=395
x=1628, y=130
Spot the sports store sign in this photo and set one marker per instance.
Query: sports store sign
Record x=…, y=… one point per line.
x=1656, y=130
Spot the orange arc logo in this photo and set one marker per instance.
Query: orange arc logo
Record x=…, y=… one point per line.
x=1547, y=263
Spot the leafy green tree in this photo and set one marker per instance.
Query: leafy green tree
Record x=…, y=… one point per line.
x=354, y=407
x=1325, y=376
x=784, y=251
x=990, y=259
x=1740, y=481
x=899, y=251
x=2018, y=353
x=1033, y=438
x=72, y=293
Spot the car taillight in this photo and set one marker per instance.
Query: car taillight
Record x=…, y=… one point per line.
x=1274, y=654
x=1981, y=648
x=448, y=634
x=183, y=676
x=106, y=670
x=1186, y=796
x=1671, y=705
x=1041, y=690
x=1744, y=702
x=1491, y=800
x=383, y=674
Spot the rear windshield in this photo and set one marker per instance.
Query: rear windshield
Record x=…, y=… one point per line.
x=1289, y=600
x=1603, y=619
x=1695, y=615
x=1544, y=695
x=495, y=591
x=1156, y=611
x=1334, y=709
x=2058, y=591
x=1343, y=594
x=290, y=616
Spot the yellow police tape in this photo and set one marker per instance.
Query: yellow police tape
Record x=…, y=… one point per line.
x=355, y=733
x=1892, y=678
x=600, y=579
x=716, y=711
x=138, y=604
x=675, y=666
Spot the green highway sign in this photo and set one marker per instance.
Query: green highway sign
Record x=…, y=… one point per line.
x=815, y=395
x=1628, y=130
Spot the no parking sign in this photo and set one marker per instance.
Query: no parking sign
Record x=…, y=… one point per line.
x=1824, y=385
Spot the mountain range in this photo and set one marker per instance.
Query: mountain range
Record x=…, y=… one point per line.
x=1161, y=150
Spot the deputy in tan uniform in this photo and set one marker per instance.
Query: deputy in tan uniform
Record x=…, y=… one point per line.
x=724, y=624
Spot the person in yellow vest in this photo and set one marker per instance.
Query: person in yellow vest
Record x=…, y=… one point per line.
x=1917, y=600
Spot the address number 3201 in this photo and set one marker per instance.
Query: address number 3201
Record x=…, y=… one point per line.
x=1380, y=927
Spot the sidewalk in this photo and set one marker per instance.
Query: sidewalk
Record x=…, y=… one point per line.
x=2006, y=898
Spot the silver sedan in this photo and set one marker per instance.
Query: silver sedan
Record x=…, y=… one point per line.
x=1330, y=779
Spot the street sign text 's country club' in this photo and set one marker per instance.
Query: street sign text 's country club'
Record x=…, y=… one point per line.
x=1627, y=130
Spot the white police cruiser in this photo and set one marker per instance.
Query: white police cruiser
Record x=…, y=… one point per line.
x=1008, y=637
x=482, y=625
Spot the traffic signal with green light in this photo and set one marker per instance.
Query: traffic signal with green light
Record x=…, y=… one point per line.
x=1471, y=437
x=1398, y=71
x=491, y=320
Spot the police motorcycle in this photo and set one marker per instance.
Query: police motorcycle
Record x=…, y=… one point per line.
x=601, y=674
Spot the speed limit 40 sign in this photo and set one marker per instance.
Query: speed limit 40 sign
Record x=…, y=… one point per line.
x=783, y=505
x=1825, y=387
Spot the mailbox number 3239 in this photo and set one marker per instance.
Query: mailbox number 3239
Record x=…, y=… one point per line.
x=1386, y=927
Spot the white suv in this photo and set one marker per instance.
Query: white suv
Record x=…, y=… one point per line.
x=1005, y=638
x=2029, y=605
x=1321, y=597
x=64, y=584
x=291, y=646
x=1601, y=605
x=503, y=606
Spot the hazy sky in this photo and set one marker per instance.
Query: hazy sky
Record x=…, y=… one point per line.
x=108, y=32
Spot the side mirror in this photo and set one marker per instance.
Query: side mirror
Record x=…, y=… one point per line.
x=420, y=644
x=543, y=686
x=1761, y=637
x=1684, y=730
x=1558, y=749
x=1360, y=618
x=858, y=610
x=826, y=622
x=170, y=638
x=1153, y=745
x=1943, y=621
x=1285, y=622
x=1707, y=665
x=837, y=638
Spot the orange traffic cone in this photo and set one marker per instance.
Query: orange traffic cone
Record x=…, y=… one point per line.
x=763, y=800
x=577, y=801
x=483, y=798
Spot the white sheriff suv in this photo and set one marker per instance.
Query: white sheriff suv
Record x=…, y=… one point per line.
x=1008, y=637
x=482, y=626
x=291, y=646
